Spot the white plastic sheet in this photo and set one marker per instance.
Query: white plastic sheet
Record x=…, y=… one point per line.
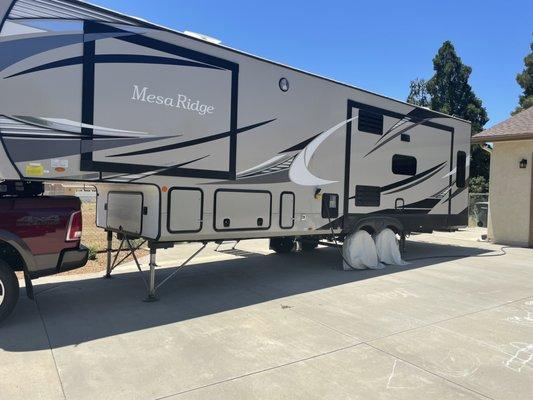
x=360, y=251
x=388, y=249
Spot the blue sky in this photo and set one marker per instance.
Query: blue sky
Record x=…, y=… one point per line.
x=376, y=45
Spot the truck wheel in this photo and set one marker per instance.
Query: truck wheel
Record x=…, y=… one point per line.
x=282, y=245
x=308, y=245
x=9, y=290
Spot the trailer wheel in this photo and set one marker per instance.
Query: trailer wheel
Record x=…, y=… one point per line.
x=282, y=245
x=308, y=244
x=9, y=290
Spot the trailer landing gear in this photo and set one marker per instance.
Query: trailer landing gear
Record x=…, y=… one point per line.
x=151, y=285
x=112, y=262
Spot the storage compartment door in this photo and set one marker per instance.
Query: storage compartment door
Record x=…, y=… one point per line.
x=238, y=210
x=185, y=209
x=286, y=212
x=125, y=212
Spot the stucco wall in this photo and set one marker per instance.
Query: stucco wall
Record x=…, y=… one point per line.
x=511, y=193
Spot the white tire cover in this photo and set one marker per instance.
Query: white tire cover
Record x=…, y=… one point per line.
x=359, y=250
x=388, y=248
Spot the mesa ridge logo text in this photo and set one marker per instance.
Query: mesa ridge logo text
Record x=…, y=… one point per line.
x=181, y=101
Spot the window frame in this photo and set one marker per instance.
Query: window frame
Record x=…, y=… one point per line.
x=460, y=177
x=405, y=158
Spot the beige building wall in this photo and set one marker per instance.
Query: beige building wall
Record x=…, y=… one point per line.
x=511, y=197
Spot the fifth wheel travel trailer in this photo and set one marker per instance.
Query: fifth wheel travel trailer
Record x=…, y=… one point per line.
x=189, y=140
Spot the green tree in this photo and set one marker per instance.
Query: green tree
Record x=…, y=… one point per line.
x=478, y=184
x=525, y=80
x=479, y=163
x=418, y=93
x=450, y=91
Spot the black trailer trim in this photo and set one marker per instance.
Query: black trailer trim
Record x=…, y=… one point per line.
x=417, y=115
x=450, y=181
x=169, y=208
x=6, y=15
x=89, y=60
x=409, y=222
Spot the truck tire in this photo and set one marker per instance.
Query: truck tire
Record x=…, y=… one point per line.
x=9, y=290
x=282, y=245
x=308, y=244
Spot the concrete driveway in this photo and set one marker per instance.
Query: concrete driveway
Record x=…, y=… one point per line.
x=251, y=324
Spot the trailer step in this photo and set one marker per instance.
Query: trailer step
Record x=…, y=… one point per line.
x=222, y=242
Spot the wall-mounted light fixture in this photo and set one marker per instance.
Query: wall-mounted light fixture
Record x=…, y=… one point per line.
x=522, y=163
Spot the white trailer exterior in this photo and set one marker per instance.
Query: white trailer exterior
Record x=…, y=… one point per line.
x=187, y=140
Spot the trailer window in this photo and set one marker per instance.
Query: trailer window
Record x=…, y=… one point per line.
x=461, y=169
x=403, y=165
x=370, y=122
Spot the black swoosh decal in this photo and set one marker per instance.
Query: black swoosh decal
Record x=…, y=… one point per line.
x=115, y=59
x=403, y=182
x=395, y=136
x=417, y=182
x=301, y=145
x=193, y=142
x=414, y=180
x=160, y=171
x=426, y=203
x=395, y=126
x=456, y=193
x=400, y=211
x=13, y=51
x=273, y=177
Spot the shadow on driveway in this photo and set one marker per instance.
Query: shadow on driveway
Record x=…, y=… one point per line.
x=80, y=311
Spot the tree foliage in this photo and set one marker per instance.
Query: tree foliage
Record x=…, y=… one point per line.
x=418, y=94
x=525, y=80
x=478, y=184
x=448, y=91
x=479, y=162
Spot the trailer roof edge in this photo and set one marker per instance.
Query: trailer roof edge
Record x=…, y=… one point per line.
x=147, y=23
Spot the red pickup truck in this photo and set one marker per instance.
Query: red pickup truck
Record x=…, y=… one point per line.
x=39, y=236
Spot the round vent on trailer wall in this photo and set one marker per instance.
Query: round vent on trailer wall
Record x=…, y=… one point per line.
x=284, y=84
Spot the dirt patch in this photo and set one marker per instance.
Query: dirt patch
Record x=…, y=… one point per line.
x=93, y=237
